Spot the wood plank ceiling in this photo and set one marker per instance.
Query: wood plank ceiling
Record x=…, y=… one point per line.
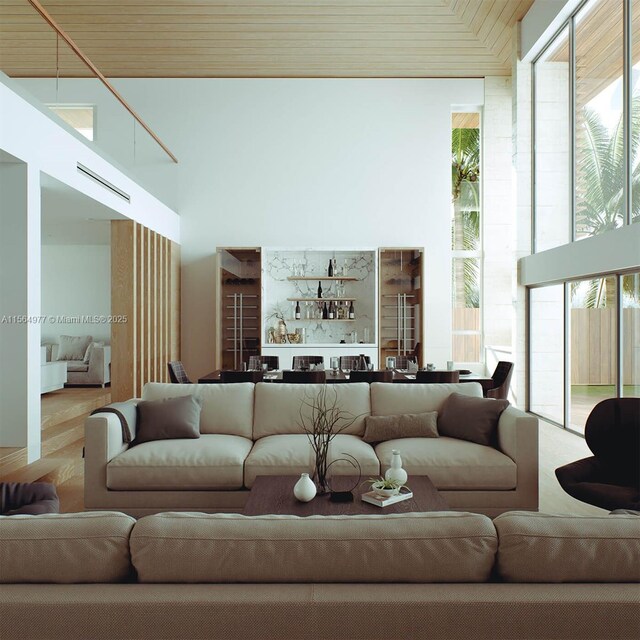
x=264, y=38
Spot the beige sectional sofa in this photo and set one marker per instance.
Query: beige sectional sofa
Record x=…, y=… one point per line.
x=436, y=576
x=250, y=430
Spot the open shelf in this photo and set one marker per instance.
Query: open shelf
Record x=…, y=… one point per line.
x=323, y=320
x=311, y=278
x=321, y=299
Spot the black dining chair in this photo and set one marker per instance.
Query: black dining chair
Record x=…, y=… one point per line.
x=304, y=377
x=352, y=362
x=241, y=376
x=177, y=374
x=371, y=376
x=501, y=381
x=437, y=377
x=272, y=362
x=610, y=479
x=302, y=363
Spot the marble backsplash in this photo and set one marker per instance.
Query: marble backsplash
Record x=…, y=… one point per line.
x=278, y=265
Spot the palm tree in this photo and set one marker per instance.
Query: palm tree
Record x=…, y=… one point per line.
x=465, y=176
x=600, y=189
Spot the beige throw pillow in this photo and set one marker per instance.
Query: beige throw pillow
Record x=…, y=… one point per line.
x=407, y=425
x=90, y=348
x=73, y=347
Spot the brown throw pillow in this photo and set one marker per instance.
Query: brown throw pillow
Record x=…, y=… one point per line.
x=167, y=419
x=469, y=418
x=406, y=425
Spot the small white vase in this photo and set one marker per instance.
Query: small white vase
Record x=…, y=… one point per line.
x=305, y=489
x=395, y=472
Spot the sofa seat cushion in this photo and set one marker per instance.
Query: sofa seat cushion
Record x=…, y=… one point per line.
x=452, y=464
x=396, y=548
x=77, y=366
x=292, y=455
x=213, y=461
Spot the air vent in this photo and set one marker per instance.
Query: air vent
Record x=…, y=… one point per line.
x=105, y=183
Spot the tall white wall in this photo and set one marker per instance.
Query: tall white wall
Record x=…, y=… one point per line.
x=76, y=281
x=314, y=163
x=297, y=162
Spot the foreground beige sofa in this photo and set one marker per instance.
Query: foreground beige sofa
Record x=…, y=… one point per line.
x=250, y=430
x=437, y=576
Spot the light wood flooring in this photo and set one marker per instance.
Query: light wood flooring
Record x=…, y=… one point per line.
x=63, y=415
x=64, y=411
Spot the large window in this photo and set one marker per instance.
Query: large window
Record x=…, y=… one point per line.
x=631, y=334
x=465, y=237
x=80, y=117
x=587, y=163
x=599, y=117
x=553, y=168
x=546, y=352
x=593, y=352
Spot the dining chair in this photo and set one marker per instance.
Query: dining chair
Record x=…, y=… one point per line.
x=301, y=363
x=177, y=374
x=402, y=362
x=501, y=381
x=272, y=362
x=371, y=376
x=352, y=362
x=241, y=376
x=436, y=377
x=304, y=377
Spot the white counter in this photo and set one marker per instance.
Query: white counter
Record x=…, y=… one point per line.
x=286, y=352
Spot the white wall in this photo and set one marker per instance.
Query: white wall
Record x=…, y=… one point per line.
x=298, y=162
x=76, y=281
x=316, y=163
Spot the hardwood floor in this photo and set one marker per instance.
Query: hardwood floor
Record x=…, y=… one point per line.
x=62, y=421
x=64, y=411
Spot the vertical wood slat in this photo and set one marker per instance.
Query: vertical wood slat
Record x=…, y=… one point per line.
x=122, y=304
x=146, y=289
x=140, y=288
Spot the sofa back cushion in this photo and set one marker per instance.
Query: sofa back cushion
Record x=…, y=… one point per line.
x=221, y=548
x=536, y=547
x=226, y=408
x=277, y=408
x=396, y=399
x=65, y=548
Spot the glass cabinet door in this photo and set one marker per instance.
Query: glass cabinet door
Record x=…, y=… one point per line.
x=400, y=303
x=239, y=310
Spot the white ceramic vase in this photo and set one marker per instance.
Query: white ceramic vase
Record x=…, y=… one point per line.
x=395, y=472
x=305, y=489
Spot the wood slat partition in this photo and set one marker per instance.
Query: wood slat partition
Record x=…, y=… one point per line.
x=145, y=288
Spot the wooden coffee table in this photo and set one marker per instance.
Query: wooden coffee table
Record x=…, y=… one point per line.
x=274, y=495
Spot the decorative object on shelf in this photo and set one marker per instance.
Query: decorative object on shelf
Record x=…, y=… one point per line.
x=322, y=419
x=294, y=338
x=390, y=362
x=304, y=490
x=395, y=473
x=280, y=330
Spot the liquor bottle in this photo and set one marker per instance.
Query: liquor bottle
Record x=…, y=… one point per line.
x=362, y=363
x=330, y=269
x=319, y=289
x=325, y=312
x=332, y=312
x=335, y=268
x=340, y=312
x=298, y=315
x=352, y=312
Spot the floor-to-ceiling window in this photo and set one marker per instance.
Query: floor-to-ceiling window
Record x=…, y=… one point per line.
x=584, y=329
x=546, y=352
x=631, y=334
x=593, y=356
x=465, y=237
